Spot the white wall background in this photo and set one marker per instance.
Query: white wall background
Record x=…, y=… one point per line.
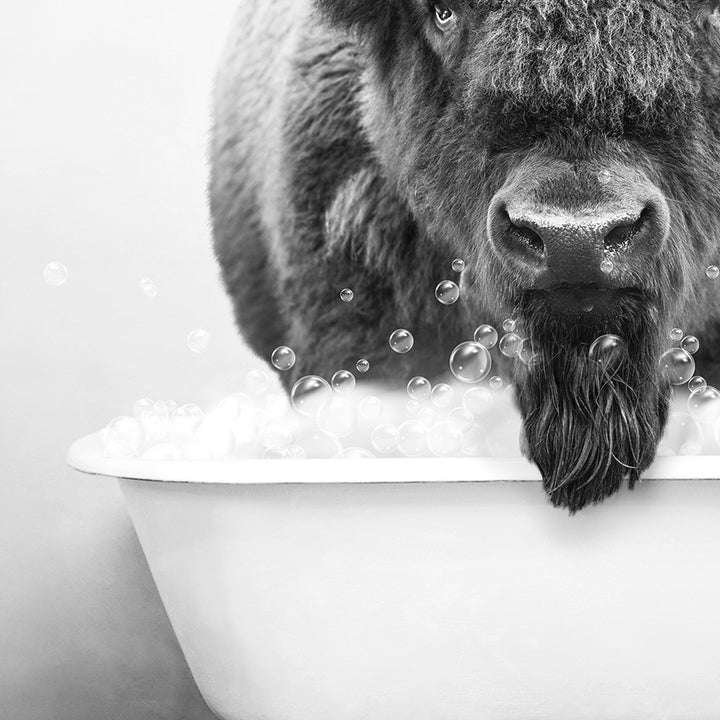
x=103, y=131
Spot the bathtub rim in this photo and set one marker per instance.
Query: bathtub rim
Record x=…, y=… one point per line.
x=87, y=456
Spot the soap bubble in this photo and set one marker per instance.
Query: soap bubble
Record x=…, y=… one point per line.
x=198, y=341
x=426, y=416
x=215, y=434
x=148, y=288
x=677, y=365
x=343, y=381
x=412, y=440
x=705, y=406
x=474, y=441
x=277, y=436
x=447, y=292
x=458, y=265
x=357, y=453
x=604, y=177
x=528, y=354
x=232, y=406
x=346, y=295
x=442, y=395
x=680, y=429
x=690, y=448
x=690, y=344
x=385, y=438
x=413, y=406
x=470, y=362
x=283, y=358
x=486, y=335
x=697, y=384
x=587, y=305
x=362, y=365
x=55, y=274
x=496, y=382
x=296, y=452
x=509, y=325
x=608, y=351
x=478, y=400
x=443, y=440
x=319, y=444
x=371, y=408
x=510, y=345
x=143, y=408
x=419, y=388
x=713, y=272
x=124, y=436
x=187, y=418
x=607, y=266
x=401, y=341
x=337, y=416
x=308, y=394
x=257, y=382
x=676, y=334
x=460, y=419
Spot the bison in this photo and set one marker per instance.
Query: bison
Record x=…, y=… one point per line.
x=368, y=143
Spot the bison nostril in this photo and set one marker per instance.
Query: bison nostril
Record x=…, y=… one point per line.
x=528, y=236
x=621, y=235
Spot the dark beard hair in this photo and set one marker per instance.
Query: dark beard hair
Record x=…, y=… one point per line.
x=588, y=428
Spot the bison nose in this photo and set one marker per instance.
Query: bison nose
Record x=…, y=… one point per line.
x=557, y=246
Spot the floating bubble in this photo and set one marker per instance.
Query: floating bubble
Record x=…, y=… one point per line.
x=604, y=177
x=343, y=381
x=319, y=444
x=510, y=344
x=509, y=325
x=474, y=441
x=486, y=335
x=199, y=341
x=419, y=388
x=401, y=341
x=357, y=453
x=413, y=406
x=470, y=362
x=677, y=365
x=412, y=438
x=55, y=274
x=713, y=272
x=690, y=344
x=277, y=436
x=148, y=288
x=426, y=416
x=442, y=395
x=664, y=450
x=607, y=266
x=362, y=365
x=337, y=416
x=124, y=436
x=308, y=394
x=690, y=448
x=443, y=440
x=478, y=400
x=257, y=382
x=608, y=351
x=496, y=382
x=458, y=265
x=346, y=295
x=187, y=418
x=705, y=406
x=371, y=408
x=283, y=358
x=676, y=334
x=460, y=419
x=447, y=292
x=697, y=384
x=385, y=438
x=528, y=353
x=587, y=306
x=296, y=452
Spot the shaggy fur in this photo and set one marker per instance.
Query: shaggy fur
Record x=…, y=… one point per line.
x=356, y=145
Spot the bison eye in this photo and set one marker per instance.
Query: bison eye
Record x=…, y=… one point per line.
x=444, y=16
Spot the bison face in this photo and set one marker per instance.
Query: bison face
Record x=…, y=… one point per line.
x=569, y=150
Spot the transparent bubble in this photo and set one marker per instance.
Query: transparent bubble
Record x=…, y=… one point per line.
x=608, y=351
x=510, y=345
x=478, y=400
x=474, y=441
x=442, y=395
x=371, y=408
x=337, y=416
x=346, y=295
x=470, y=362
x=690, y=344
x=426, y=416
x=486, y=335
x=385, y=438
x=419, y=388
x=713, y=272
x=163, y=451
x=55, y=274
x=283, y=358
x=458, y=265
x=604, y=177
x=362, y=365
x=401, y=341
x=343, y=381
x=214, y=433
x=296, y=452
x=496, y=382
x=460, y=419
x=274, y=454
x=412, y=440
x=187, y=418
x=607, y=266
x=124, y=434
x=257, y=382
x=690, y=448
x=697, y=384
x=233, y=406
x=148, y=288
x=509, y=325
x=443, y=440
x=357, y=453
x=413, y=406
x=677, y=365
x=528, y=353
x=676, y=334
x=199, y=341
x=319, y=444
x=705, y=406
x=277, y=436
x=664, y=450
x=308, y=394
x=447, y=292
x=143, y=408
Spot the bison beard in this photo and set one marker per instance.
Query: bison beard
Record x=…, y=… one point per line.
x=588, y=428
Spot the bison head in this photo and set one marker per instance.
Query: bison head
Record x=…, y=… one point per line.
x=569, y=150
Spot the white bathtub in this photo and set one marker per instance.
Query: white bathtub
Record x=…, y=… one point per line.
x=431, y=589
